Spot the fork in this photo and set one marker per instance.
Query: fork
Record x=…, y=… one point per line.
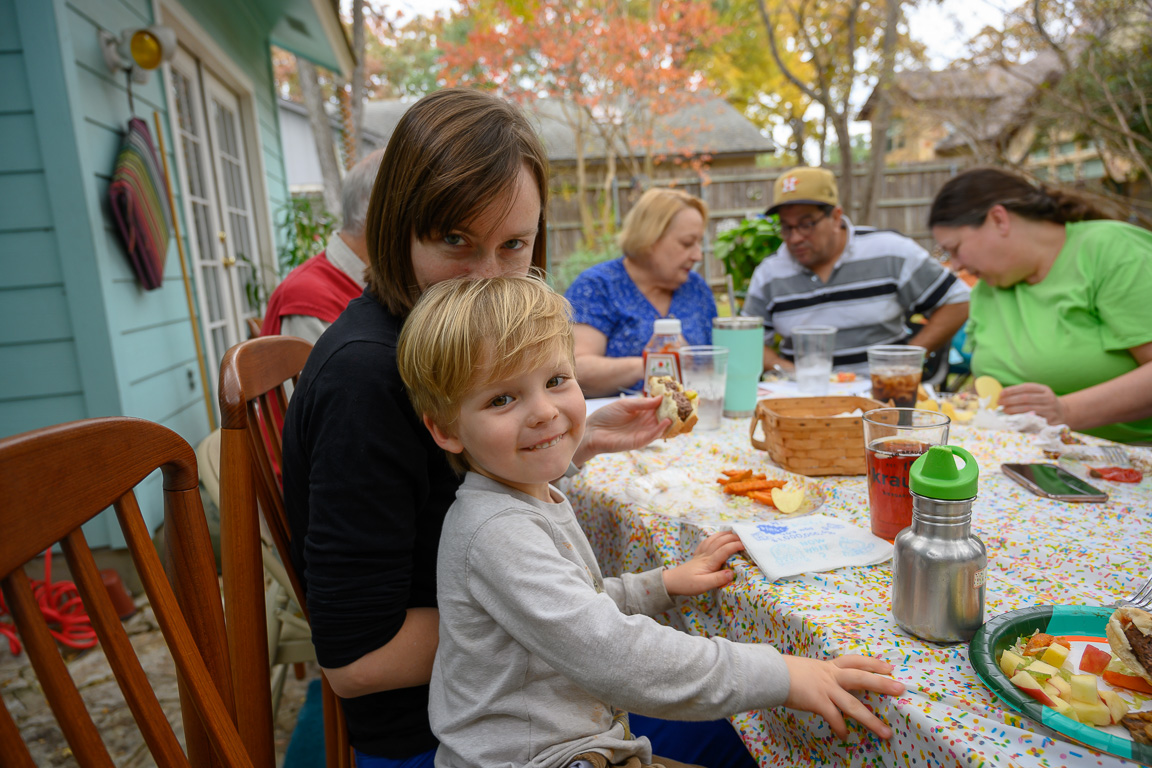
x=1141, y=598
x=1115, y=455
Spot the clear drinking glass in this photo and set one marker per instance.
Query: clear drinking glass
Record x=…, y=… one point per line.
x=895, y=371
x=704, y=368
x=893, y=439
x=813, y=346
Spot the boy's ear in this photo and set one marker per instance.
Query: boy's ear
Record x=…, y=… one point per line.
x=448, y=442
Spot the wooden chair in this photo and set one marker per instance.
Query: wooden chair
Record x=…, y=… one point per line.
x=254, y=324
x=252, y=404
x=52, y=481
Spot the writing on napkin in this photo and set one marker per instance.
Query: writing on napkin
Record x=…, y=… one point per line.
x=782, y=548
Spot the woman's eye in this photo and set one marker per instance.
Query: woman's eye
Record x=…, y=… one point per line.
x=500, y=401
x=514, y=245
x=454, y=239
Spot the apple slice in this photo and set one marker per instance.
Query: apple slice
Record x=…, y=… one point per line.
x=1028, y=684
x=1084, y=689
x=1094, y=713
x=988, y=388
x=1041, y=670
x=1117, y=707
x=1061, y=685
x=1064, y=708
x=1094, y=660
x=788, y=499
x=1055, y=655
x=1010, y=661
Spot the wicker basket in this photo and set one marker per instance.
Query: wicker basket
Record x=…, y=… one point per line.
x=801, y=436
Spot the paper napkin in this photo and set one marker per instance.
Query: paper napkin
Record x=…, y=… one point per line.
x=809, y=544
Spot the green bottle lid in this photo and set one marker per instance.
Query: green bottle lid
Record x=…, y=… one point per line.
x=936, y=475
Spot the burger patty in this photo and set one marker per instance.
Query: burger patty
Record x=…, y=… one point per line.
x=683, y=405
x=1141, y=644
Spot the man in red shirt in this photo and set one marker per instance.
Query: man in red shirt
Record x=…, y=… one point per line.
x=314, y=294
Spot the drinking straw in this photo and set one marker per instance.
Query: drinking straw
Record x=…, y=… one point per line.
x=731, y=296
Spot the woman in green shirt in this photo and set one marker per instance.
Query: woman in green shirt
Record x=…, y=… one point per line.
x=1062, y=314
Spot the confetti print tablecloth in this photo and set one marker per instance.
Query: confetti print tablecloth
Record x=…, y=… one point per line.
x=1039, y=552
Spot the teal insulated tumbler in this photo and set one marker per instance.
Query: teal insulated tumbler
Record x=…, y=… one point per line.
x=744, y=339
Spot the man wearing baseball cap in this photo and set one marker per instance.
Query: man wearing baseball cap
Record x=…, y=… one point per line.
x=862, y=281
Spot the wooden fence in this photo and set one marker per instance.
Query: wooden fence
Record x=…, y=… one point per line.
x=906, y=196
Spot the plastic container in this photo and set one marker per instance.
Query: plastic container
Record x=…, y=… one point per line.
x=662, y=352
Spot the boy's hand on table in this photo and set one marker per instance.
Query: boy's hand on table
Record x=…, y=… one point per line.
x=628, y=423
x=706, y=569
x=824, y=688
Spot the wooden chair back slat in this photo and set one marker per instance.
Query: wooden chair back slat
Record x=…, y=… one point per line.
x=59, y=689
x=12, y=746
x=130, y=675
x=252, y=404
x=59, y=478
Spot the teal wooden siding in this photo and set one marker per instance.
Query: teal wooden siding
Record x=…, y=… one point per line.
x=78, y=337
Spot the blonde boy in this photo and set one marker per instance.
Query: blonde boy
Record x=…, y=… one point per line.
x=540, y=656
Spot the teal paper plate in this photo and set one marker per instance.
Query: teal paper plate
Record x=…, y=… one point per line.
x=1001, y=632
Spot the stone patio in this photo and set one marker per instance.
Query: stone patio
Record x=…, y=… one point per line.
x=24, y=699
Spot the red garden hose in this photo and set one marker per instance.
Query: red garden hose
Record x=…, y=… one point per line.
x=62, y=608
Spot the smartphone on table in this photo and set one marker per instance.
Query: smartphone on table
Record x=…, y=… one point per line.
x=1053, y=482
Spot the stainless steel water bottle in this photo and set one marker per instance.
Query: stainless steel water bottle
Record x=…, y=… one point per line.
x=939, y=566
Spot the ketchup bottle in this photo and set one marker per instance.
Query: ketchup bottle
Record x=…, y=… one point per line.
x=662, y=352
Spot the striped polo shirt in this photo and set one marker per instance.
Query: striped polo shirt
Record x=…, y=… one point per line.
x=880, y=280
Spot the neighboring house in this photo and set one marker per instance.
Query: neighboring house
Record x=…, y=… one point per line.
x=301, y=162
x=983, y=114
x=709, y=128
x=79, y=337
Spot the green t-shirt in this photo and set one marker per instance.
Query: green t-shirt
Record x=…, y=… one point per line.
x=1073, y=329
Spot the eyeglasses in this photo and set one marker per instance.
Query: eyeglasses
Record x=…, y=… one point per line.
x=804, y=228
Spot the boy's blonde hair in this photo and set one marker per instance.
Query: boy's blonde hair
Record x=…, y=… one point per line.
x=464, y=333
x=650, y=217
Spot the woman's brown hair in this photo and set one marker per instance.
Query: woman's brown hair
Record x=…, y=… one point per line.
x=965, y=199
x=451, y=155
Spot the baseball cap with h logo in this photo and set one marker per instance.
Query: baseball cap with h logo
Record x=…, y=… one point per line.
x=804, y=186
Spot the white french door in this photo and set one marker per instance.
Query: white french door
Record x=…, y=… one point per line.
x=217, y=194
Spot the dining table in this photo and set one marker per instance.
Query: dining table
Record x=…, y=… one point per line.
x=651, y=507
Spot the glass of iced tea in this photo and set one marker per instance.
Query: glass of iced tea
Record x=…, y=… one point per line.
x=894, y=438
x=895, y=371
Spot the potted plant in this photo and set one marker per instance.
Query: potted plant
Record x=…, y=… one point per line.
x=742, y=247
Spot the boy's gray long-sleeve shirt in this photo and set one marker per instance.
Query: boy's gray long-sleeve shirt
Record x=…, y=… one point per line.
x=539, y=652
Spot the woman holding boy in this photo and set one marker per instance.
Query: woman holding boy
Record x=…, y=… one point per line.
x=461, y=192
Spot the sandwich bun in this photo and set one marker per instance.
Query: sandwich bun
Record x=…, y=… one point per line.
x=1139, y=659
x=679, y=404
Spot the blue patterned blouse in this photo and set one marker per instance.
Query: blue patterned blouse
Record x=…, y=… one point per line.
x=604, y=297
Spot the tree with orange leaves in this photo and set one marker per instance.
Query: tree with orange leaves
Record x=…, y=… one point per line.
x=610, y=69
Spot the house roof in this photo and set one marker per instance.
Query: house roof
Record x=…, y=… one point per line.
x=709, y=126
x=990, y=101
x=312, y=29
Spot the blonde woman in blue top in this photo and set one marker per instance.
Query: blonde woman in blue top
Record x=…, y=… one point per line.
x=615, y=304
